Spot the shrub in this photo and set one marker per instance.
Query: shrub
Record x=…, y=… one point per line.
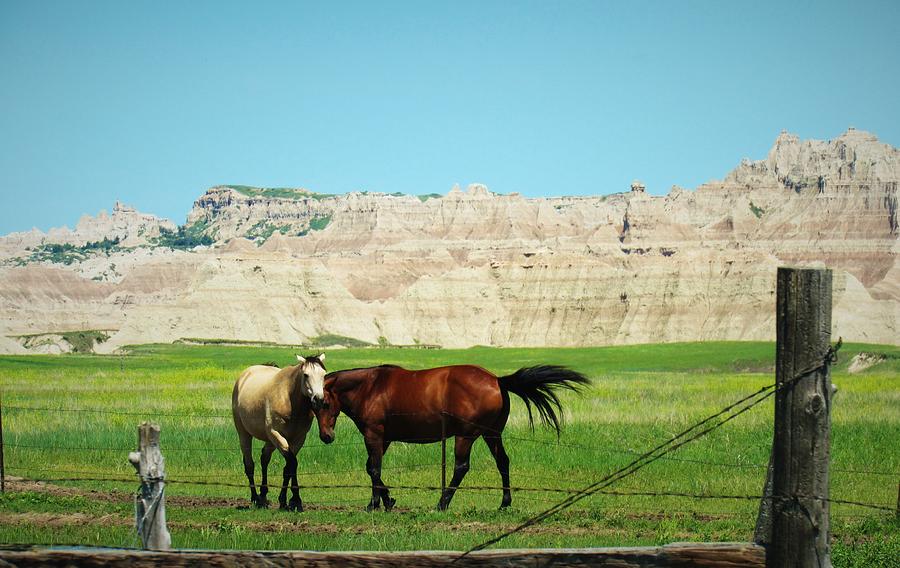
x=182, y=238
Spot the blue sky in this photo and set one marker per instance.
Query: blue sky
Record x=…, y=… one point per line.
x=153, y=102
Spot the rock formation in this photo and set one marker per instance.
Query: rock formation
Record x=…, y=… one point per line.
x=477, y=268
x=129, y=226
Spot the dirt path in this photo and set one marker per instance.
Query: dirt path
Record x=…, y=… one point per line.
x=285, y=524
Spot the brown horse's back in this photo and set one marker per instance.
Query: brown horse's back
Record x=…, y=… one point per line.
x=417, y=406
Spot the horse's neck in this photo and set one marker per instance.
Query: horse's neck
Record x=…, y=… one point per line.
x=294, y=384
x=352, y=391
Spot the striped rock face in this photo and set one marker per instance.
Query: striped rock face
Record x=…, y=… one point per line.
x=476, y=268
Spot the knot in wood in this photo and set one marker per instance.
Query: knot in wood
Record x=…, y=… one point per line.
x=816, y=404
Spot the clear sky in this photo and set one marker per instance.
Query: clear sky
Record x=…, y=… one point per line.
x=153, y=102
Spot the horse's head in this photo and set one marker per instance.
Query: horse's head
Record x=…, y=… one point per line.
x=327, y=414
x=312, y=371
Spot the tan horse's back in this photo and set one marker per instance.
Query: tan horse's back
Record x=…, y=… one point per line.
x=252, y=386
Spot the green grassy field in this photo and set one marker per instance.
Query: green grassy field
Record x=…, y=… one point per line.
x=641, y=395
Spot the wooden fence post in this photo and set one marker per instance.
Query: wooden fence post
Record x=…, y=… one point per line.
x=763, y=533
x=150, y=502
x=798, y=533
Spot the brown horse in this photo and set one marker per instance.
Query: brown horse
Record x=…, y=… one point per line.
x=390, y=404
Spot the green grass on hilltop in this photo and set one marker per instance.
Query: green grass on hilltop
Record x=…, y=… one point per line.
x=278, y=192
x=640, y=396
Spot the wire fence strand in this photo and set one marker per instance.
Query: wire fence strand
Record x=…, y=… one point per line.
x=464, y=488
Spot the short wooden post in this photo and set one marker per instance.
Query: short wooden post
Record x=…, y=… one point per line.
x=799, y=534
x=150, y=501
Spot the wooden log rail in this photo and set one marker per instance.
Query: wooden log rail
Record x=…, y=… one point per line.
x=733, y=555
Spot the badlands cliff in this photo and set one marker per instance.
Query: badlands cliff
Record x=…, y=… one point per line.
x=476, y=268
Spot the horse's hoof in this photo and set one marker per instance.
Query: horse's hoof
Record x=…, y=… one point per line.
x=442, y=506
x=296, y=505
x=282, y=506
x=370, y=507
x=262, y=503
x=389, y=503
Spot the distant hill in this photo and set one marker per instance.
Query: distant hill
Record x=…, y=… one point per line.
x=473, y=267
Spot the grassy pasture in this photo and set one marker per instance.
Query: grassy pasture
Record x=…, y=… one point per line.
x=641, y=396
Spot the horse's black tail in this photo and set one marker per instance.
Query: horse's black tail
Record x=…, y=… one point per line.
x=538, y=385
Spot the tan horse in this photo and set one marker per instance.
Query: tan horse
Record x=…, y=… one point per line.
x=276, y=406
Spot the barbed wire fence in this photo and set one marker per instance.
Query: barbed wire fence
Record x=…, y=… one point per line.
x=544, y=495
x=50, y=474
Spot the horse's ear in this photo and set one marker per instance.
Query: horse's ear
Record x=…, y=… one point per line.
x=321, y=357
x=301, y=359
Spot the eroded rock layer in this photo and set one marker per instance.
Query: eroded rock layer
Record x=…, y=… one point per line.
x=476, y=268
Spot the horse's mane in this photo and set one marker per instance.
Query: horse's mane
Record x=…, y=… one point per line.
x=295, y=370
x=315, y=359
x=335, y=375
x=382, y=366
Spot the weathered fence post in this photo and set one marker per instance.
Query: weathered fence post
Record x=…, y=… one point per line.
x=150, y=502
x=797, y=530
x=763, y=533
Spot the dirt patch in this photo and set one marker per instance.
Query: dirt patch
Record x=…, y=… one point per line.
x=291, y=522
x=299, y=526
x=191, y=501
x=17, y=484
x=58, y=520
x=63, y=519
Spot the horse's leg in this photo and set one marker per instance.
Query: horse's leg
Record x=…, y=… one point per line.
x=297, y=441
x=495, y=443
x=385, y=493
x=265, y=456
x=295, y=504
x=290, y=466
x=247, y=452
x=461, y=467
x=375, y=448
